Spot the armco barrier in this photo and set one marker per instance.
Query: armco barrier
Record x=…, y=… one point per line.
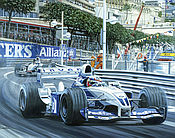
x=135, y=81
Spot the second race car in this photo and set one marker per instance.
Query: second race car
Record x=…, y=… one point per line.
x=30, y=69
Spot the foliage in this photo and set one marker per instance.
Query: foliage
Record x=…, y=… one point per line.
x=172, y=3
x=78, y=19
x=160, y=14
x=74, y=18
x=17, y=6
x=169, y=20
x=168, y=39
x=126, y=7
x=84, y=21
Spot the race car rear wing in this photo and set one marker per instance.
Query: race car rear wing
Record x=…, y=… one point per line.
x=57, y=72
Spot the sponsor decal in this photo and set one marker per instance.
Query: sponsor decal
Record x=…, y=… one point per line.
x=54, y=105
x=143, y=111
x=29, y=50
x=168, y=54
x=100, y=113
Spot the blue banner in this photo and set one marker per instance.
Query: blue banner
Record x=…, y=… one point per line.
x=29, y=50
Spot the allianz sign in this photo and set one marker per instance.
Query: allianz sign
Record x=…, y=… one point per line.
x=29, y=50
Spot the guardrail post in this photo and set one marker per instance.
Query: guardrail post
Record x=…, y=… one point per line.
x=125, y=62
x=150, y=66
x=67, y=51
x=137, y=65
x=5, y=29
x=169, y=67
x=113, y=61
x=78, y=43
x=80, y=56
x=88, y=44
x=1, y=33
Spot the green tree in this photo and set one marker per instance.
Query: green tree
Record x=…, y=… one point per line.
x=173, y=3
x=80, y=20
x=160, y=14
x=168, y=39
x=16, y=6
x=74, y=18
x=126, y=7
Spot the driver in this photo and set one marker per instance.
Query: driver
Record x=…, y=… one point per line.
x=85, y=76
x=33, y=65
x=90, y=81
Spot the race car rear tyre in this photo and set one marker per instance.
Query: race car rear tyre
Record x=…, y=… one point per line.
x=30, y=103
x=71, y=102
x=154, y=97
x=17, y=69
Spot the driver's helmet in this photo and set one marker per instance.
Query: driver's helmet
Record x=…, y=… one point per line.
x=37, y=60
x=86, y=71
x=92, y=81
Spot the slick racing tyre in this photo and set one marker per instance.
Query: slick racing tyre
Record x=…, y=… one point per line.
x=71, y=102
x=30, y=103
x=17, y=69
x=154, y=97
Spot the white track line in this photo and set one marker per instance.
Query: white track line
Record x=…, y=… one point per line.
x=6, y=76
x=6, y=68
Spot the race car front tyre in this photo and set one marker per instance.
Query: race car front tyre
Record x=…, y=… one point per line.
x=154, y=97
x=71, y=102
x=30, y=103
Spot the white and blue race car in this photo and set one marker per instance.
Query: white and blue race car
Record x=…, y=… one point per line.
x=30, y=69
x=91, y=98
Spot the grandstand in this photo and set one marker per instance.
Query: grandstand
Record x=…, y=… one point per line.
x=42, y=33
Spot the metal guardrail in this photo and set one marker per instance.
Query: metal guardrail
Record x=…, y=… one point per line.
x=135, y=81
x=129, y=80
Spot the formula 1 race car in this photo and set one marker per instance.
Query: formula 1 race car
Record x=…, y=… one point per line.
x=30, y=69
x=91, y=98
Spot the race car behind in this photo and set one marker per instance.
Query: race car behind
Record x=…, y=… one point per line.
x=91, y=98
x=30, y=69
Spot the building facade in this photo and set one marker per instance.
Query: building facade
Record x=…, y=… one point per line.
x=87, y=6
x=170, y=10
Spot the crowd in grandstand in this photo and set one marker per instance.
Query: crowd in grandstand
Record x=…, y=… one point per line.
x=32, y=34
x=43, y=35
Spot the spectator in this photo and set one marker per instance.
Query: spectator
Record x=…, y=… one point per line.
x=100, y=60
x=93, y=61
x=145, y=64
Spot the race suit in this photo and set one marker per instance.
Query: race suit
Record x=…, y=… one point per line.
x=100, y=60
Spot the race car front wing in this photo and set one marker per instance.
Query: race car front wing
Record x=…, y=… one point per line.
x=139, y=113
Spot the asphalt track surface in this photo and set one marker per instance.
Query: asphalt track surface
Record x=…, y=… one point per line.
x=13, y=125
